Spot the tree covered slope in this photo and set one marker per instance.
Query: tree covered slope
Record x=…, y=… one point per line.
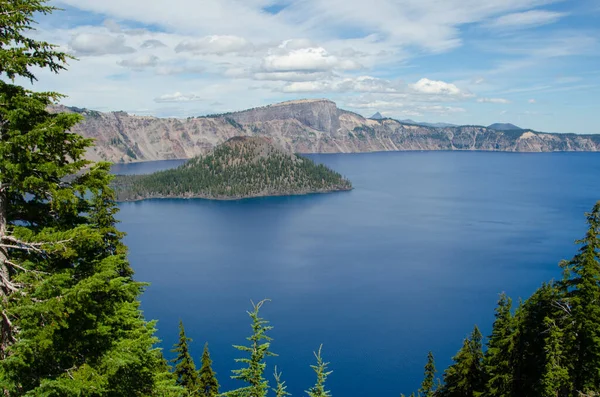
x=241, y=167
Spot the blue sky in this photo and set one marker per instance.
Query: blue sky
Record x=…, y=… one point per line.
x=535, y=63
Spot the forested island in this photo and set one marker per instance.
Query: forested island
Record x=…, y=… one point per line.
x=241, y=167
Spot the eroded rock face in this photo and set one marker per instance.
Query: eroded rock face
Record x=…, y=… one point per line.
x=305, y=126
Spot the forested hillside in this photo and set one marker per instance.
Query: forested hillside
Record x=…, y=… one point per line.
x=241, y=167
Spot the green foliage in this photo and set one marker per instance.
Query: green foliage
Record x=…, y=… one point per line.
x=581, y=290
x=280, y=389
x=427, y=387
x=464, y=378
x=20, y=53
x=70, y=322
x=185, y=369
x=318, y=390
x=550, y=347
x=498, y=359
x=241, y=167
x=209, y=386
x=529, y=349
x=253, y=373
x=555, y=380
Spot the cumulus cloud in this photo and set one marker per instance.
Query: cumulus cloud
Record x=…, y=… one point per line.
x=526, y=19
x=178, y=69
x=368, y=84
x=493, y=100
x=291, y=76
x=152, y=43
x=307, y=86
x=405, y=108
x=178, y=97
x=308, y=60
x=436, y=87
x=139, y=62
x=296, y=44
x=99, y=44
x=114, y=27
x=362, y=84
x=215, y=45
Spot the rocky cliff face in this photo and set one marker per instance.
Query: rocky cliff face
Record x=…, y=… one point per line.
x=305, y=126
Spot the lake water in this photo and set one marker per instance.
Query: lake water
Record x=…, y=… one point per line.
x=405, y=263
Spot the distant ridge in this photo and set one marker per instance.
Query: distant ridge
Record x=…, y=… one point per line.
x=377, y=116
x=303, y=126
x=434, y=125
x=504, y=127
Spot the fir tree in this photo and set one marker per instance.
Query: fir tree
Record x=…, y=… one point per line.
x=209, y=386
x=70, y=322
x=529, y=354
x=318, y=390
x=581, y=289
x=555, y=380
x=280, y=389
x=185, y=369
x=427, y=387
x=464, y=378
x=498, y=359
x=253, y=373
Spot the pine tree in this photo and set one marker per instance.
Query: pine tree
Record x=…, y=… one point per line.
x=185, y=369
x=209, y=386
x=70, y=322
x=280, y=389
x=498, y=360
x=555, y=380
x=464, y=378
x=581, y=289
x=253, y=373
x=318, y=390
x=427, y=387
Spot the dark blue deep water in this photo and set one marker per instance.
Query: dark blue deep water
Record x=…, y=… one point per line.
x=407, y=262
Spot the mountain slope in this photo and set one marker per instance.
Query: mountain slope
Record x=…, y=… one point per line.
x=504, y=127
x=239, y=168
x=305, y=126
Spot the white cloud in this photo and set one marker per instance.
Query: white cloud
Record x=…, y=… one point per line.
x=361, y=84
x=175, y=70
x=292, y=76
x=99, y=44
x=368, y=84
x=526, y=19
x=139, y=62
x=307, y=86
x=426, y=86
x=493, y=100
x=531, y=101
x=215, y=45
x=296, y=44
x=405, y=108
x=113, y=27
x=308, y=60
x=178, y=97
x=152, y=43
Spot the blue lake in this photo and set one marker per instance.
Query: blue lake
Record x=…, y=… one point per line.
x=405, y=263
